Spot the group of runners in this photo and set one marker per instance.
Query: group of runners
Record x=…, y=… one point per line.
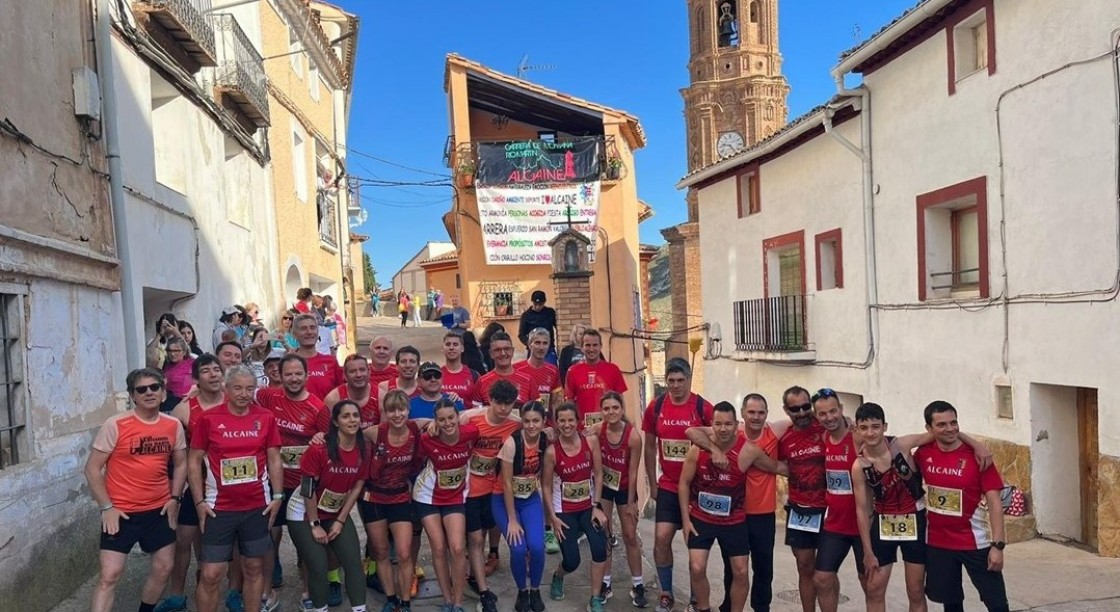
x=439, y=451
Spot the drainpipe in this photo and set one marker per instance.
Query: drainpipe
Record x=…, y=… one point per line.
x=863, y=152
x=134, y=356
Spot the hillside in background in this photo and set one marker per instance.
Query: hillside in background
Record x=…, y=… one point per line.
x=660, y=299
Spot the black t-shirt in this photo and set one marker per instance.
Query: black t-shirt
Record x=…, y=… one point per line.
x=532, y=319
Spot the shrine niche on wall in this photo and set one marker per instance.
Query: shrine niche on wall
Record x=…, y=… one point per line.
x=569, y=254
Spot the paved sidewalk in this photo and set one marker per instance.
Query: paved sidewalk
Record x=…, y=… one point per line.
x=1042, y=576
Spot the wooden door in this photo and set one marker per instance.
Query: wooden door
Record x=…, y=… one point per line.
x=1089, y=458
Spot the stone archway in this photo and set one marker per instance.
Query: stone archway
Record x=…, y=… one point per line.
x=293, y=280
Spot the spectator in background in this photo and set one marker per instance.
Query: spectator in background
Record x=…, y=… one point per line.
x=187, y=331
x=539, y=316
x=285, y=334
x=258, y=350
x=460, y=317
x=417, y=299
x=472, y=355
x=225, y=330
x=573, y=352
x=484, y=343
x=403, y=306
x=439, y=305
x=177, y=373
x=431, y=304
x=339, y=323
x=375, y=302
x=167, y=329
x=252, y=313
x=303, y=300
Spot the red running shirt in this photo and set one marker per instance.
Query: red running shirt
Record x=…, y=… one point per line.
x=839, y=496
x=236, y=456
x=369, y=412
x=298, y=422
x=672, y=443
x=323, y=375
x=803, y=452
x=616, y=458
x=762, y=487
x=376, y=377
x=334, y=480
x=895, y=497
x=955, y=487
x=388, y=481
x=518, y=378
x=139, y=452
x=572, y=478
x=586, y=384
x=445, y=477
x=460, y=383
x=543, y=381
x=716, y=496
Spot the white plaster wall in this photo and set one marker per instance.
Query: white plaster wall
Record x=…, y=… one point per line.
x=224, y=191
x=1054, y=452
x=816, y=188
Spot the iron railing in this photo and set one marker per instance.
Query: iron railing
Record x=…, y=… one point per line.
x=463, y=158
x=957, y=279
x=328, y=218
x=187, y=22
x=498, y=299
x=239, y=64
x=771, y=324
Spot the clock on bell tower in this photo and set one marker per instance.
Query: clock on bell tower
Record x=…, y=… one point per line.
x=736, y=94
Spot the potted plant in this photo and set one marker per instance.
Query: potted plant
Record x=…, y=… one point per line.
x=466, y=172
x=614, y=168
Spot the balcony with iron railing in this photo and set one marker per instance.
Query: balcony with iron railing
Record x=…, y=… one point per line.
x=182, y=28
x=239, y=80
x=328, y=219
x=463, y=159
x=772, y=329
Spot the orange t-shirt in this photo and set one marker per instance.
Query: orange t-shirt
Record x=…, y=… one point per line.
x=484, y=457
x=762, y=487
x=136, y=472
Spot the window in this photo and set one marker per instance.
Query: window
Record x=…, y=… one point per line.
x=503, y=304
x=168, y=133
x=299, y=165
x=953, y=241
x=296, y=49
x=458, y=281
x=830, y=260
x=784, y=272
x=13, y=407
x=971, y=44
x=313, y=80
x=500, y=299
x=749, y=191
x=754, y=11
x=1005, y=409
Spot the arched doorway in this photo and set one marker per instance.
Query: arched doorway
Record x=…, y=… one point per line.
x=292, y=282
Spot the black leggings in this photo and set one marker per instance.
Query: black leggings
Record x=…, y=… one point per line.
x=314, y=557
x=580, y=522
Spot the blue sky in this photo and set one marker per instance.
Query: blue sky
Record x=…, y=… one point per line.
x=628, y=54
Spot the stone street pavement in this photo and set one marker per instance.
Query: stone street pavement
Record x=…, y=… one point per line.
x=1042, y=576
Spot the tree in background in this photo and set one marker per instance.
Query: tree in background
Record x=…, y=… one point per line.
x=368, y=272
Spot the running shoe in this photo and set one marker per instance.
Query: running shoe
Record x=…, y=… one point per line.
x=638, y=596
x=270, y=602
x=536, y=603
x=277, y=574
x=334, y=594
x=308, y=605
x=447, y=607
x=487, y=602
x=457, y=609
x=556, y=589
x=172, y=603
x=491, y=563
x=522, y=604
x=389, y=607
x=612, y=542
x=234, y=601
x=606, y=592
x=665, y=603
x=472, y=582
x=551, y=546
x=691, y=607
x=595, y=604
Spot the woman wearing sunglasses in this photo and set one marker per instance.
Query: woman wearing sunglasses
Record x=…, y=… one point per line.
x=285, y=338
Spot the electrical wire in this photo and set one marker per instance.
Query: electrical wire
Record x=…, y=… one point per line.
x=442, y=175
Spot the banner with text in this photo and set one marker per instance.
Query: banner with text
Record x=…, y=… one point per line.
x=539, y=161
x=518, y=223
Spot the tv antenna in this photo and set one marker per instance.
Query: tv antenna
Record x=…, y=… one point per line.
x=524, y=66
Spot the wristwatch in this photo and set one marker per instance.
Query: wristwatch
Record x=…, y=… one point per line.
x=177, y=498
x=999, y=544
x=316, y=524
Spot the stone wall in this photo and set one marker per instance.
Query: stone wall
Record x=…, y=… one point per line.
x=1108, y=506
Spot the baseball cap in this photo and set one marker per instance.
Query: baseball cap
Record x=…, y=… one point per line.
x=429, y=366
x=539, y=297
x=230, y=310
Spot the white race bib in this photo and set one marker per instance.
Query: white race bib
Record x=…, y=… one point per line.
x=944, y=501
x=290, y=456
x=898, y=527
x=239, y=470
x=612, y=479
x=483, y=466
x=331, y=502
x=524, y=486
x=451, y=479
x=839, y=482
x=573, y=492
x=804, y=522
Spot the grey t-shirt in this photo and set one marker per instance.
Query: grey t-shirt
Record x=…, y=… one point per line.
x=459, y=315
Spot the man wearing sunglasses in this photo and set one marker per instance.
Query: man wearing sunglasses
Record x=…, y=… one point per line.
x=127, y=477
x=423, y=406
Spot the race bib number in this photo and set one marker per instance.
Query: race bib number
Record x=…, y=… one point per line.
x=576, y=491
x=715, y=505
x=483, y=466
x=524, y=486
x=546, y=398
x=674, y=450
x=943, y=501
x=612, y=479
x=804, y=522
x=839, y=482
x=592, y=419
x=290, y=456
x=239, y=470
x=898, y=527
x=331, y=502
x=451, y=479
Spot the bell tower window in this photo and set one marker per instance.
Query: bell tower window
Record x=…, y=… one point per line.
x=754, y=11
x=728, y=24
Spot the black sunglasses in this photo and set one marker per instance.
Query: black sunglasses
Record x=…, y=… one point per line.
x=431, y=375
x=823, y=393
x=142, y=389
x=799, y=408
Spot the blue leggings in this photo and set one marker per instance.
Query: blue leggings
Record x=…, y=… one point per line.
x=530, y=513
